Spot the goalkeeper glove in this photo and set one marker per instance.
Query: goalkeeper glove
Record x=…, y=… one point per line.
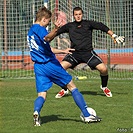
x=118, y=39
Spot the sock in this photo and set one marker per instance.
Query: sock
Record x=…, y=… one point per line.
x=79, y=100
x=64, y=88
x=104, y=80
x=38, y=104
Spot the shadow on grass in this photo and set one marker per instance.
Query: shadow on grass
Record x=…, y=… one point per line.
x=96, y=93
x=89, y=93
x=101, y=93
x=93, y=93
x=46, y=119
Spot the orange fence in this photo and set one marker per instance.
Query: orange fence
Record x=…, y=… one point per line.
x=124, y=58
x=24, y=62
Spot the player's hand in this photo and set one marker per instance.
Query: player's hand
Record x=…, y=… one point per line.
x=68, y=51
x=58, y=23
x=118, y=39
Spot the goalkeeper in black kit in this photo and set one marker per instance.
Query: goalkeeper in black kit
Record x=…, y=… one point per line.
x=80, y=33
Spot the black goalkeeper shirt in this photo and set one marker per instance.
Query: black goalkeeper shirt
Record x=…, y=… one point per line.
x=80, y=33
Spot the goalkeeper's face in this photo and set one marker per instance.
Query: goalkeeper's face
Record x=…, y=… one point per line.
x=78, y=15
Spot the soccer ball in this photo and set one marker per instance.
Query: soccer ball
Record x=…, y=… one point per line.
x=90, y=110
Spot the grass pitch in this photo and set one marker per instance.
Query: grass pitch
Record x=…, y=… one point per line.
x=62, y=115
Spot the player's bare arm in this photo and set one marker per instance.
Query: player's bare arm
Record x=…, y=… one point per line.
x=62, y=51
x=53, y=33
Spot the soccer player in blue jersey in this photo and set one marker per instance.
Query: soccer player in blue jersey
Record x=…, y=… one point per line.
x=80, y=32
x=47, y=68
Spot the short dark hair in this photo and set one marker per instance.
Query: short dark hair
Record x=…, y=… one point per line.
x=77, y=9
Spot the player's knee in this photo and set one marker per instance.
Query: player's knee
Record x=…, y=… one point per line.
x=65, y=64
x=42, y=94
x=104, y=71
x=71, y=85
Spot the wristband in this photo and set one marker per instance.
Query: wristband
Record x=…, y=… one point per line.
x=114, y=36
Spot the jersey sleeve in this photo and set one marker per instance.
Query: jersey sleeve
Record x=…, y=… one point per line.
x=99, y=26
x=63, y=29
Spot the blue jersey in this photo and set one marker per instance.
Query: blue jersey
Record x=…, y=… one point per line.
x=47, y=68
x=40, y=50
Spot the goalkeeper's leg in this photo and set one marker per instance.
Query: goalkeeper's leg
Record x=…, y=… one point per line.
x=68, y=62
x=95, y=62
x=104, y=79
x=64, y=91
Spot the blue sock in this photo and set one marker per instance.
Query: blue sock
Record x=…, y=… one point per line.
x=79, y=100
x=38, y=104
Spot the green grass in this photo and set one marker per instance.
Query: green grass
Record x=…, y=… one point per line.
x=22, y=73
x=62, y=115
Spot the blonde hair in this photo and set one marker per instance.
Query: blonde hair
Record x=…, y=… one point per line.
x=43, y=12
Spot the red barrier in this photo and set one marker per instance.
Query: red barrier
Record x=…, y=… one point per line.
x=125, y=58
x=24, y=62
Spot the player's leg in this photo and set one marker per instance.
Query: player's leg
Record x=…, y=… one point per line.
x=60, y=77
x=43, y=83
x=104, y=79
x=78, y=98
x=103, y=74
x=95, y=62
x=80, y=102
x=38, y=104
x=68, y=62
x=64, y=91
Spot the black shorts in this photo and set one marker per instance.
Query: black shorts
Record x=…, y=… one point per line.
x=90, y=58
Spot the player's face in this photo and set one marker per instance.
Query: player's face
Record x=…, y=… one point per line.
x=47, y=21
x=78, y=15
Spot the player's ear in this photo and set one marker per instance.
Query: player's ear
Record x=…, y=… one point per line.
x=44, y=19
